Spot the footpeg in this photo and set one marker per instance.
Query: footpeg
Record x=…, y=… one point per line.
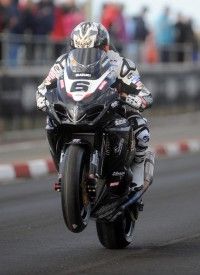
x=140, y=206
x=91, y=188
x=57, y=186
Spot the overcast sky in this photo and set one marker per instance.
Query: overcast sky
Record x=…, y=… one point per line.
x=189, y=8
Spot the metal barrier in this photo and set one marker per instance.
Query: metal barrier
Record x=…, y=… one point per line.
x=20, y=50
x=173, y=85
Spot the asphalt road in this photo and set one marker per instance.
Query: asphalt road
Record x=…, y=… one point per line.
x=34, y=239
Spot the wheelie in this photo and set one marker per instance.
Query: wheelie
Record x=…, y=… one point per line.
x=98, y=139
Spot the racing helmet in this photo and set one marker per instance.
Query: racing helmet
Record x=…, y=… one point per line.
x=89, y=35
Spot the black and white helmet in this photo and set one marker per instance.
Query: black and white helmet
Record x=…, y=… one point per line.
x=89, y=35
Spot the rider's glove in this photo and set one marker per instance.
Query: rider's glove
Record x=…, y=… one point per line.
x=42, y=102
x=135, y=101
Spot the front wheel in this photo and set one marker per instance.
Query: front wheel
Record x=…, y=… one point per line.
x=75, y=203
x=117, y=234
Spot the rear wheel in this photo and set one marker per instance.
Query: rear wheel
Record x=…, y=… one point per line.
x=117, y=234
x=75, y=203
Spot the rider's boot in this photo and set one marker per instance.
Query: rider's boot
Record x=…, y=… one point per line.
x=137, y=183
x=52, y=139
x=137, y=169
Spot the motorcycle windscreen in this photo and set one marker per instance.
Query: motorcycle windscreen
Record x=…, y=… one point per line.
x=89, y=63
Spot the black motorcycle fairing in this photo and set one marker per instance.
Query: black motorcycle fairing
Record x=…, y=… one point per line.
x=84, y=91
x=70, y=112
x=87, y=111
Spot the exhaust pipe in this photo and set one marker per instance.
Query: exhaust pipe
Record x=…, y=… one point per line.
x=148, y=180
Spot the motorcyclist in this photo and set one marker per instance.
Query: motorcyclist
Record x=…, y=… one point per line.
x=128, y=84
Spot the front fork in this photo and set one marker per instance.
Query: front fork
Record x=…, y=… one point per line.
x=96, y=165
x=57, y=185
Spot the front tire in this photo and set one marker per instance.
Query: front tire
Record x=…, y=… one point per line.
x=117, y=234
x=75, y=203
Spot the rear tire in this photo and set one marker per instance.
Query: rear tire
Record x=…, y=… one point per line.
x=75, y=203
x=117, y=234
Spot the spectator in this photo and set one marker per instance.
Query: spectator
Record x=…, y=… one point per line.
x=113, y=19
x=140, y=30
x=43, y=25
x=140, y=34
x=5, y=6
x=164, y=35
x=72, y=17
x=180, y=37
x=66, y=17
x=192, y=39
x=185, y=39
x=4, y=19
x=129, y=24
x=27, y=25
x=13, y=28
x=58, y=34
x=44, y=18
x=150, y=49
x=8, y=20
x=58, y=17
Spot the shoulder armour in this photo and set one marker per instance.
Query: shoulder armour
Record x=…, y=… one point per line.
x=128, y=67
x=61, y=60
x=61, y=57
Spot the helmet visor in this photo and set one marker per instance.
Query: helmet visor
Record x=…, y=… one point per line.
x=87, y=63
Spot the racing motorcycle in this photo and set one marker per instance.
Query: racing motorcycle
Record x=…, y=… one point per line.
x=96, y=149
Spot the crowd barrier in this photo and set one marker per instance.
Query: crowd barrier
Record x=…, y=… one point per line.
x=171, y=85
x=20, y=50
